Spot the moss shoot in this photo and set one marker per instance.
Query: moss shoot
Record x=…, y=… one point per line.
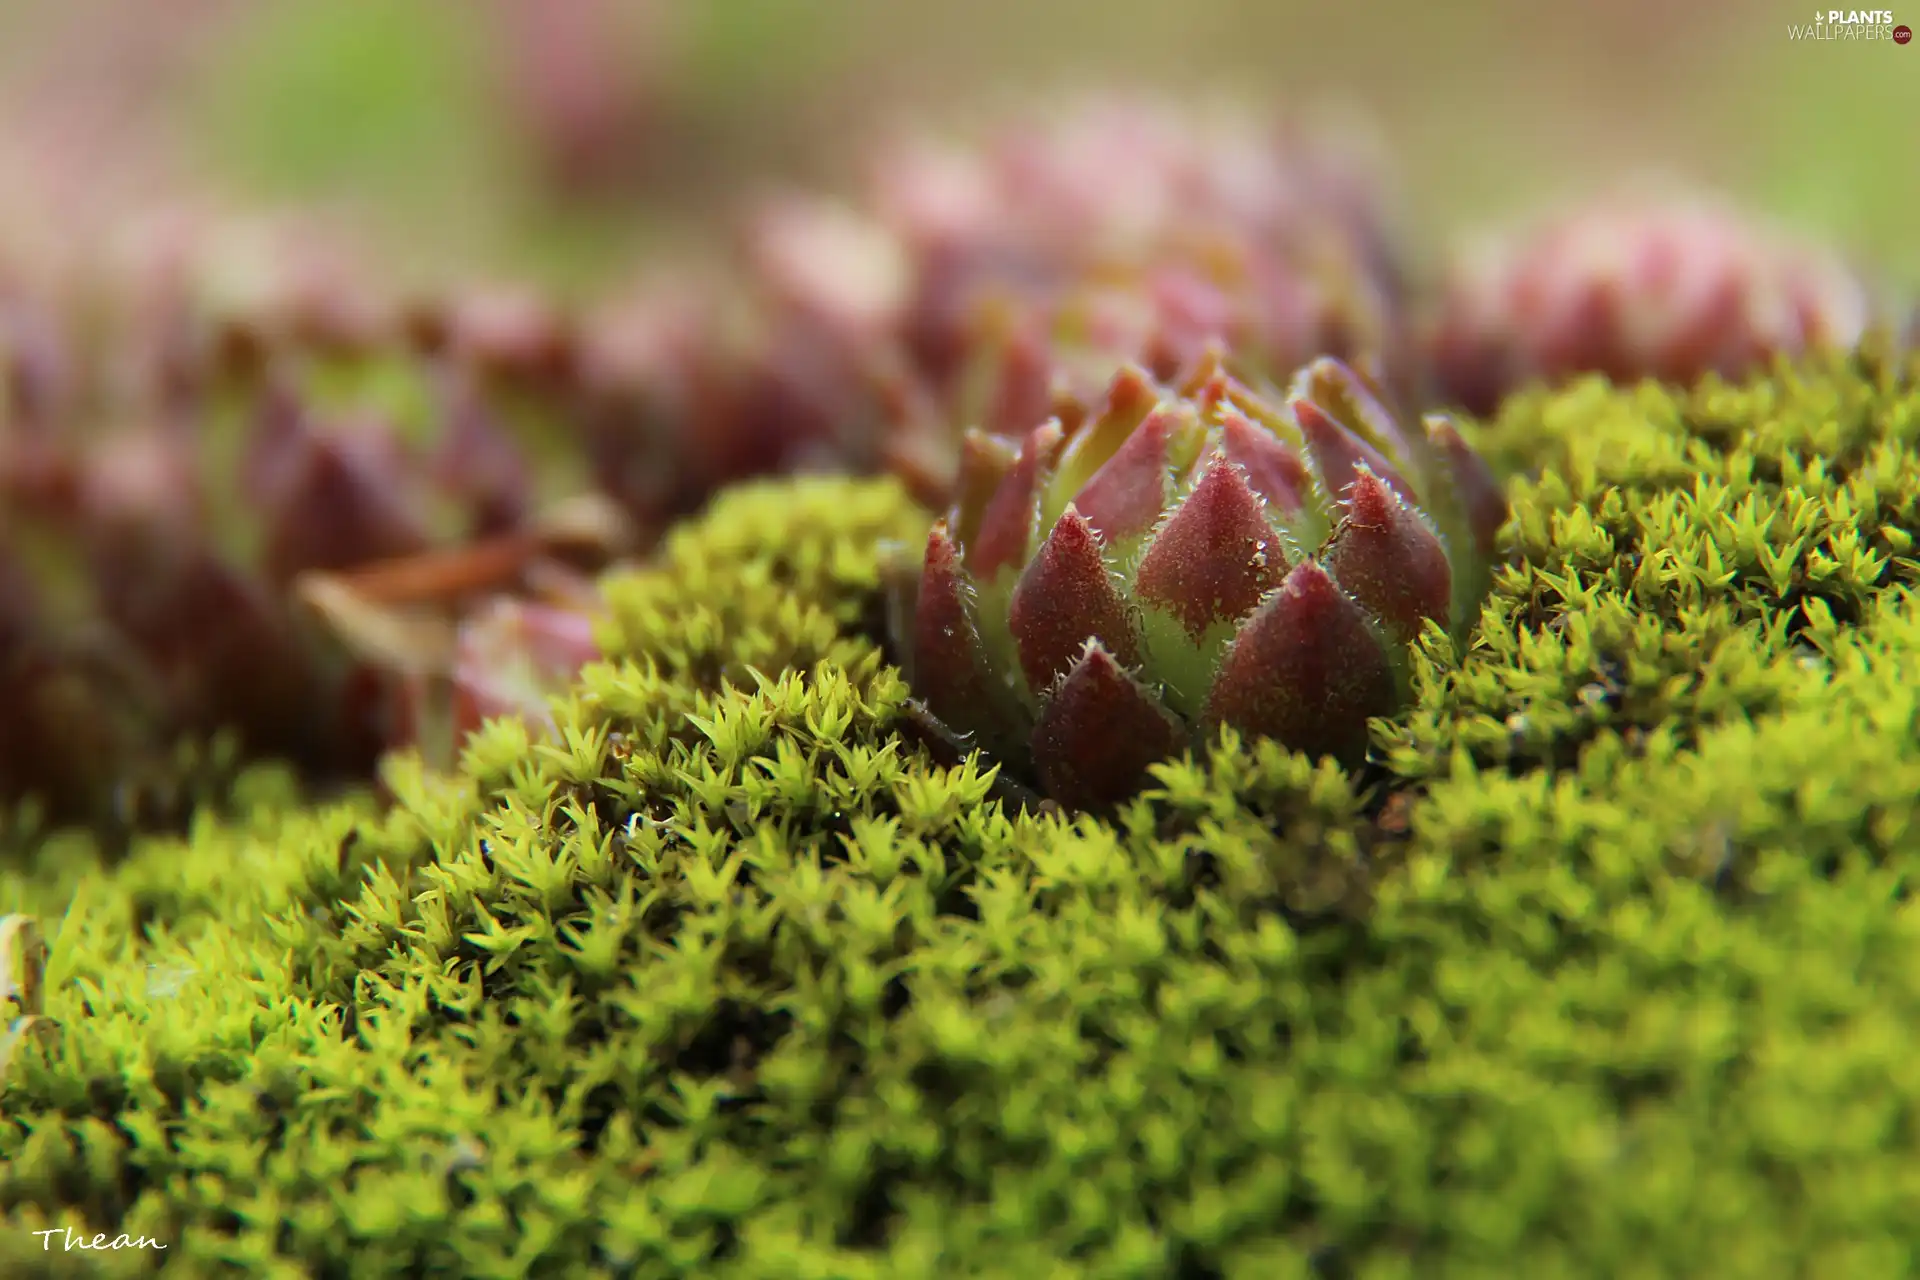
x=1605, y=965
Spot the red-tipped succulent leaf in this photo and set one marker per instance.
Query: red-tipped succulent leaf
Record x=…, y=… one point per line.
x=1099, y=733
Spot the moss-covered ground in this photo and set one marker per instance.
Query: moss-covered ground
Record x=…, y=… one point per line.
x=1605, y=967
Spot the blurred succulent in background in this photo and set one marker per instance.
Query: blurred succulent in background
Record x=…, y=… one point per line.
x=451, y=639
x=686, y=385
x=993, y=286
x=583, y=81
x=211, y=492
x=515, y=654
x=1101, y=598
x=1652, y=288
x=640, y=106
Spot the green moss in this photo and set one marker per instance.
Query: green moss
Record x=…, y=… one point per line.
x=1605, y=967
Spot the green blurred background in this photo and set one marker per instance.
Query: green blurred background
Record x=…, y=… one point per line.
x=555, y=140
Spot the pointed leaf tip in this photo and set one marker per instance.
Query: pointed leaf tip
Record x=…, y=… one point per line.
x=1129, y=492
x=1131, y=394
x=1215, y=556
x=1215, y=391
x=1209, y=369
x=1337, y=451
x=1354, y=398
x=985, y=461
x=1336, y=382
x=1098, y=733
x=1131, y=398
x=481, y=464
x=1389, y=560
x=1479, y=492
x=1066, y=597
x=1009, y=522
x=1023, y=386
x=949, y=663
x=1274, y=470
x=1305, y=670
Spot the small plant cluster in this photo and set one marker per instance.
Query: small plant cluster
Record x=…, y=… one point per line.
x=251, y=498
x=1603, y=964
x=1180, y=562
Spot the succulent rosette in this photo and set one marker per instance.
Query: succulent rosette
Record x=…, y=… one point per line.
x=1664, y=288
x=1101, y=598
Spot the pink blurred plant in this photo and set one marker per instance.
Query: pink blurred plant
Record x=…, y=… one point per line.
x=1670, y=289
x=584, y=81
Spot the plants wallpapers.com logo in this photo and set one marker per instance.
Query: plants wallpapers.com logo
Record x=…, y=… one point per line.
x=1851, y=24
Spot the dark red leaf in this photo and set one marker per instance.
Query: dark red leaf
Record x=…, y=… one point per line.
x=985, y=461
x=949, y=664
x=1098, y=734
x=340, y=508
x=479, y=463
x=1305, y=670
x=1023, y=383
x=1065, y=597
x=1215, y=556
x=1352, y=399
x=1390, y=561
x=1131, y=397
